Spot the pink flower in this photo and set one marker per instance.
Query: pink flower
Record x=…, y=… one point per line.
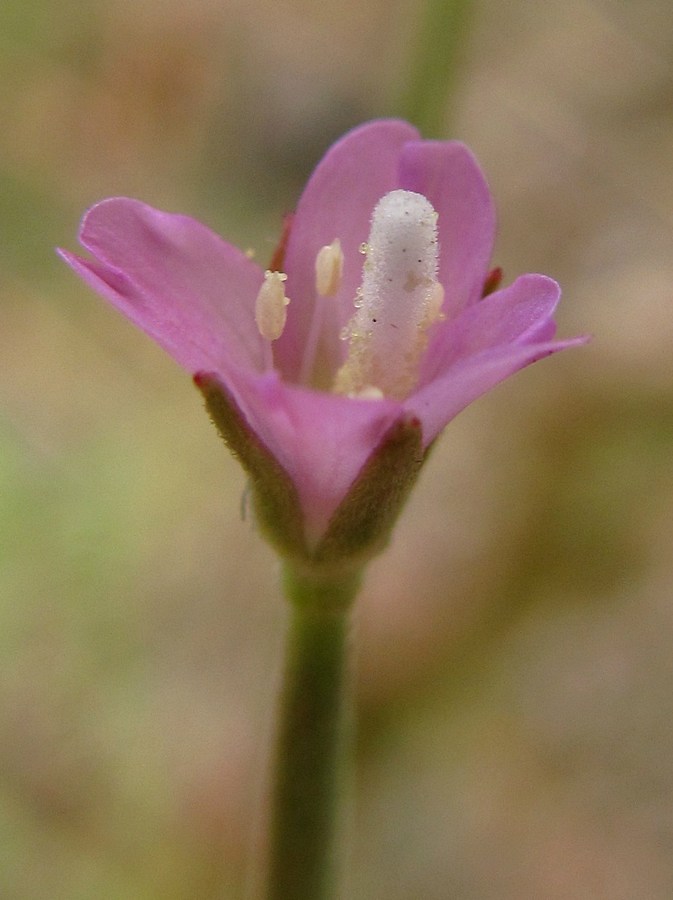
x=315, y=392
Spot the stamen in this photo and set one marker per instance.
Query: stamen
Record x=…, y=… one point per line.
x=270, y=307
x=433, y=311
x=329, y=265
x=368, y=393
x=400, y=299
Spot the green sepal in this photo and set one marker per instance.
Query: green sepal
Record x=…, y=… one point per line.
x=361, y=525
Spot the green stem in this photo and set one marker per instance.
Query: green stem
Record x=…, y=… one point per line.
x=309, y=764
x=434, y=65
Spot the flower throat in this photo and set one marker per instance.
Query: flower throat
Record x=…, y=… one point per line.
x=398, y=301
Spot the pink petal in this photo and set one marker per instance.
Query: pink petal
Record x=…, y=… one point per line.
x=337, y=202
x=519, y=313
x=441, y=400
x=447, y=173
x=321, y=440
x=177, y=280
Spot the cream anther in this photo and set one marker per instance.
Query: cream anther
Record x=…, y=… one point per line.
x=399, y=300
x=270, y=307
x=434, y=308
x=368, y=393
x=329, y=265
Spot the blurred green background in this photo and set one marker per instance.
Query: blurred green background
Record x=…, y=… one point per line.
x=515, y=670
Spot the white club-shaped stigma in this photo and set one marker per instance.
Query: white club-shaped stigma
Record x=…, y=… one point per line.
x=400, y=298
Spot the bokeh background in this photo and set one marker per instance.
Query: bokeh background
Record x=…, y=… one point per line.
x=514, y=645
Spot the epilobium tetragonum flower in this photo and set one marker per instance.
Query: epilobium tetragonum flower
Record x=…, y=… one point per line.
x=331, y=373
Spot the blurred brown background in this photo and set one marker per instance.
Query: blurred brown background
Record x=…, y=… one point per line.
x=515, y=672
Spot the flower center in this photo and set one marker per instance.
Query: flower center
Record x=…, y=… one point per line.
x=395, y=306
x=400, y=298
